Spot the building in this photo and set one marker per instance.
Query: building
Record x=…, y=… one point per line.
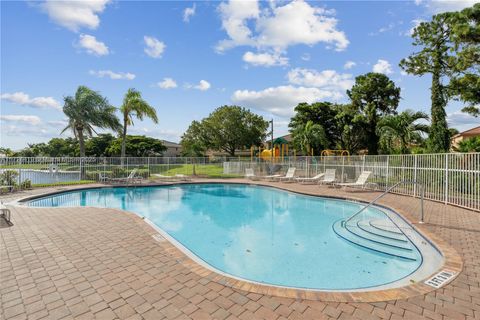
x=173, y=149
x=471, y=133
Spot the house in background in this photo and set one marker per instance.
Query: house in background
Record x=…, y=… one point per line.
x=471, y=133
x=173, y=149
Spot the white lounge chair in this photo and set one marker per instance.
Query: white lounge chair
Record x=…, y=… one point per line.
x=329, y=177
x=163, y=177
x=289, y=176
x=131, y=178
x=249, y=174
x=183, y=177
x=361, y=181
x=306, y=180
x=5, y=213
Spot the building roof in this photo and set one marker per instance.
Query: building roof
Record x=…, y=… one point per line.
x=469, y=133
x=287, y=138
x=171, y=144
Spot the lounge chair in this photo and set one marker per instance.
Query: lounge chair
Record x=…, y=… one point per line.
x=131, y=178
x=329, y=177
x=249, y=174
x=103, y=178
x=183, y=177
x=306, y=180
x=5, y=212
x=163, y=177
x=271, y=177
x=361, y=181
x=289, y=176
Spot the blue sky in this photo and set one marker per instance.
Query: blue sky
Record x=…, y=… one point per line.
x=187, y=58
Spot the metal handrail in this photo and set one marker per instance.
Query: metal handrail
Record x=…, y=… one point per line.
x=422, y=190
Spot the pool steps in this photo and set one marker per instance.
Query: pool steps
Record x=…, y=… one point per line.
x=378, y=235
x=367, y=226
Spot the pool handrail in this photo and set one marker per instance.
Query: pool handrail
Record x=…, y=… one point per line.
x=422, y=190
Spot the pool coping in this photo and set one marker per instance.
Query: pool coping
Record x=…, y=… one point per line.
x=452, y=260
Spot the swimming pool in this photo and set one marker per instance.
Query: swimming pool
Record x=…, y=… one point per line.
x=270, y=236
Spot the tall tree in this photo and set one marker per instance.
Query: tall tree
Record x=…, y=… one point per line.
x=435, y=58
x=87, y=110
x=464, y=28
x=306, y=136
x=403, y=129
x=374, y=95
x=193, y=141
x=134, y=106
x=321, y=113
x=227, y=128
x=351, y=135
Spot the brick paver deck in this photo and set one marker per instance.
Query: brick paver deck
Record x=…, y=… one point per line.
x=84, y=263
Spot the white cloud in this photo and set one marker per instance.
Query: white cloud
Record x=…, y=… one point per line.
x=37, y=102
x=154, y=47
x=167, y=83
x=283, y=99
x=92, y=45
x=438, y=6
x=349, y=65
x=415, y=23
x=326, y=79
x=28, y=119
x=113, y=75
x=203, y=85
x=461, y=120
x=74, y=15
x=188, y=13
x=389, y=27
x=382, y=66
x=265, y=59
x=247, y=24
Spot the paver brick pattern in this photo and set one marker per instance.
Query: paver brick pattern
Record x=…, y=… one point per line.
x=84, y=263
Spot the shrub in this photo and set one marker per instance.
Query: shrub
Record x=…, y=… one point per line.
x=27, y=184
x=9, y=178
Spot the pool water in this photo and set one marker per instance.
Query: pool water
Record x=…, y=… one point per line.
x=255, y=233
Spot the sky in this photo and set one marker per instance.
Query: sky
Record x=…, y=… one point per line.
x=188, y=58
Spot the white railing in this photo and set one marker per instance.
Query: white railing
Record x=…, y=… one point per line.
x=450, y=178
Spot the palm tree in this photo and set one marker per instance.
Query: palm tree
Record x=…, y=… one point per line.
x=86, y=110
x=469, y=145
x=307, y=135
x=403, y=128
x=134, y=106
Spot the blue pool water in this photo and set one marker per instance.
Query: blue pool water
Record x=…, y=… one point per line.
x=256, y=233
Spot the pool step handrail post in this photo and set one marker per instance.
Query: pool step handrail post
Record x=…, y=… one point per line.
x=422, y=192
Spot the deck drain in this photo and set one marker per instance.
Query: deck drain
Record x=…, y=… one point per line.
x=158, y=237
x=440, y=278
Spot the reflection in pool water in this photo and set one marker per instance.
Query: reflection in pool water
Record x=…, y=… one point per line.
x=255, y=233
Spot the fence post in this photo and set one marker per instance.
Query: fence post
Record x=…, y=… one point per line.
x=446, y=178
x=343, y=169
x=19, y=171
x=415, y=157
x=363, y=163
x=388, y=172
x=148, y=166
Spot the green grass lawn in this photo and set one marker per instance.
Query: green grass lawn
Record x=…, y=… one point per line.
x=67, y=183
x=209, y=171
